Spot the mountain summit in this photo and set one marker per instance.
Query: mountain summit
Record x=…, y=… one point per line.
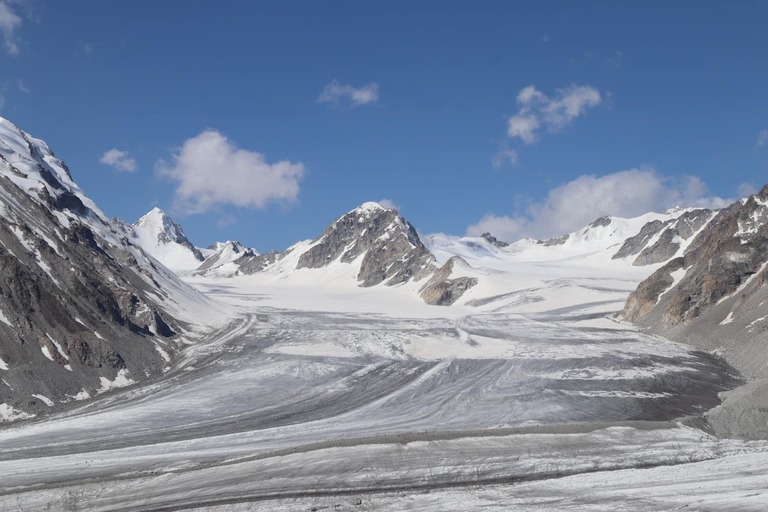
x=374, y=244
x=384, y=245
x=82, y=308
x=165, y=241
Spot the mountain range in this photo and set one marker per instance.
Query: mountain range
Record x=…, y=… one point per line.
x=89, y=303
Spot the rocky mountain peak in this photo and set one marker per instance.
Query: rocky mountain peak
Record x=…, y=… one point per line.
x=79, y=301
x=724, y=257
x=166, y=229
x=389, y=246
x=164, y=239
x=493, y=240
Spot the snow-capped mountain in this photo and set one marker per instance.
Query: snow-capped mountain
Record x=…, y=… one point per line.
x=220, y=254
x=370, y=244
x=81, y=307
x=648, y=239
x=726, y=258
x=714, y=297
x=163, y=239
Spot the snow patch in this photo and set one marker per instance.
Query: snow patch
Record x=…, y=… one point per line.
x=121, y=380
x=82, y=395
x=166, y=357
x=754, y=322
x=4, y=319
x=58, y=347
x=8, y=413
x=47, y=401
x=728, y=319
x=47, y=353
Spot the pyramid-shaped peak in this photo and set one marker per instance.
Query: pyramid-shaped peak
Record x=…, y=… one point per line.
x=157, y=223
x=154, y=213
x=370, y=207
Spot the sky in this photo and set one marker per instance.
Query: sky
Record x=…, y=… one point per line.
x=263, y=121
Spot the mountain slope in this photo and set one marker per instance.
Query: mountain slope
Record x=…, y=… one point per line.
x=164, y=240
x=221, y=254
x=648, y=239
x=714, y=297
x=369, y=245
x=82, y=308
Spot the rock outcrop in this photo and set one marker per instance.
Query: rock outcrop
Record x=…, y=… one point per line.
x=715, y=297
x=81, y=306
x=728, y=252
x=377, y=243
x=493, y=240
x=441, y=290
x=391, y=251
x=163, y=239
x=659, y=241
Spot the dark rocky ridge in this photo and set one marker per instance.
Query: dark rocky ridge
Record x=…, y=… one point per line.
x=668, y=235
x=79, y=303
x=392, y=251
x=386, y=247
x=441, y=290
x=219, y=257
x=719, y=303
x=171, y=231
x=493, y=240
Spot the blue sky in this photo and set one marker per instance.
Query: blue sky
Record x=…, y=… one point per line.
x=263, y=121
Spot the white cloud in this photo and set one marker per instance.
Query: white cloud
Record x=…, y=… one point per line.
x=762, y=138
x=120, y=160
x=338, y=93
x=9, y=22
x=226, y=221
x=746, y=190
x=538, y=110
x=504, y=157
x=22, y=86
x=581, y=201
x=388, y=203
x=211, y=171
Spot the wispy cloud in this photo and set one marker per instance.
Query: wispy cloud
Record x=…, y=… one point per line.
x=746, y=189
x=762, y=138
x=577, y=203
x=226, y=221
x=388, y=203
x=503, y=158
x=9, y=22
x=211, y=171
x=340, y=94
x=119, y=160
x=538, y=111
x=22, y=86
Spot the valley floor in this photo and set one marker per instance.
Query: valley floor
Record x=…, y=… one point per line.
x=532, y=399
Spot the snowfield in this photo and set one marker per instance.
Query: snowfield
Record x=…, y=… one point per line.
x=527, y=395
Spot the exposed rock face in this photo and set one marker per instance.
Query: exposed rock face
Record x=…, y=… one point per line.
x=391, y=250
x=440, y=290
x=167, y=230
x=223, y=253
x=659, y=241
x=251, y=263
x=730, y=250
x=377, y=242
x=163, y=239
x=634, y=245
x=78, y=301
x=714, y=297
x=558, y=240
x=493, y=240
